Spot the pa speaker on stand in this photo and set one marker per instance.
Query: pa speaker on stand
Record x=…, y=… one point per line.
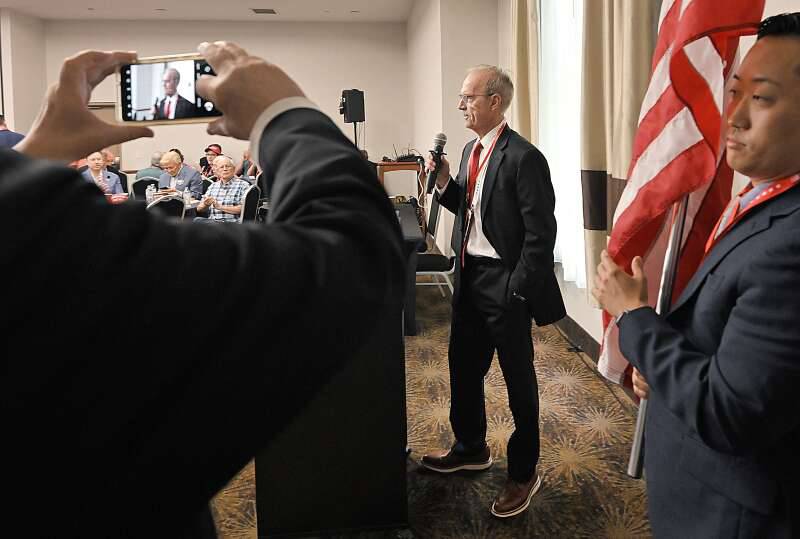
x=352, y=106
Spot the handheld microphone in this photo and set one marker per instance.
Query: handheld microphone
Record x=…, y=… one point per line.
x=437, y=152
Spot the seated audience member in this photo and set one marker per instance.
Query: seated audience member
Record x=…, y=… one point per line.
x=154, y=170
x=122, y=448
x=113, y=165
x=247, y=169
x=177, y=176
x=8, y=138
x=96, y=173
x=180, y=154
x=212, y=151
x=225, y=197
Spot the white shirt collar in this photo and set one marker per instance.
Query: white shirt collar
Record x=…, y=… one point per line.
x=488, y=138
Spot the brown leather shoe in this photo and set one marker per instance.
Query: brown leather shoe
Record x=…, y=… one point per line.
x=516, y=497
x=446, y=461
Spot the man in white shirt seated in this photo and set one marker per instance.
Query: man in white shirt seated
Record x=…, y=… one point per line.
x=225, y=198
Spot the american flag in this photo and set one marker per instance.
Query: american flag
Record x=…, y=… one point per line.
x=679, y=147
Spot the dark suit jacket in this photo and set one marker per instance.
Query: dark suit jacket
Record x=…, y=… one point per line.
x=517, y=207
x=723, y=433
x=123, y=429
x=183, y=108
x=123, y=178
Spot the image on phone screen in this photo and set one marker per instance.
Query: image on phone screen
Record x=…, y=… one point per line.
x=164, y=91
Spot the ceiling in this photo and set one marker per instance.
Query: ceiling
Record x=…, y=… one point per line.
x=220, y=10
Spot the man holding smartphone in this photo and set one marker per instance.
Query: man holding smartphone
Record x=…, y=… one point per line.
x=173, y=105
x=113, y=436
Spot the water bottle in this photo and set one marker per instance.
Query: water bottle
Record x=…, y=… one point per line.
x=187, y=197
x=148, y=194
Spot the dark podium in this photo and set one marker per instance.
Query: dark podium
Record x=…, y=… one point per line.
x=341, y=465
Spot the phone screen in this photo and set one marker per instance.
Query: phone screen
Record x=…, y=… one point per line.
x=164, y=91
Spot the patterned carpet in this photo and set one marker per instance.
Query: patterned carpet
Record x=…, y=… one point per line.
x=586, y=430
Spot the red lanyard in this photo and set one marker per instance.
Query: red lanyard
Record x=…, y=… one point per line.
x=482, y=162
x=777, y=188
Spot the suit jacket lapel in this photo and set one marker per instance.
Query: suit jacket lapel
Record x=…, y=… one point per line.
x=491, y=170
x=756, y=222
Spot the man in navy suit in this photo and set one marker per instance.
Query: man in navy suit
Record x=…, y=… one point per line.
x=8, y=138
x=722, y=369
x=504, y=235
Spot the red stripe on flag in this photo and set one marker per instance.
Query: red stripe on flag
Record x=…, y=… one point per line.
x=630, y=235
x=666, y=33
x=692, y=89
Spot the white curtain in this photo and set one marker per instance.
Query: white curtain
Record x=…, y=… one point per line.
x=561, y=37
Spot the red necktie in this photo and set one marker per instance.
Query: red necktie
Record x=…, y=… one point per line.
x=472, y=179
x=166, y=108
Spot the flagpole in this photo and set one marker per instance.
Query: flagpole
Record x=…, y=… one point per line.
x=668, y=273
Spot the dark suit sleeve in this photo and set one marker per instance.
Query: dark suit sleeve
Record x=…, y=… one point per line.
x=537, y=207
x=742, y=397
x=196, y=184
x=453, y=193
x=451, y=196
x=284, y=307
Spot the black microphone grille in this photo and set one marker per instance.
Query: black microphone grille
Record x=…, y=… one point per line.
x=440, y=139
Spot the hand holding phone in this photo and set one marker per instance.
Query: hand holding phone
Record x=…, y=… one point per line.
x=65, y=128
x=161, y=90
x=244, y=87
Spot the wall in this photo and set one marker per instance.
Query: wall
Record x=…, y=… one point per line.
x=23, y=68
x=324, y=58
x=445, y=38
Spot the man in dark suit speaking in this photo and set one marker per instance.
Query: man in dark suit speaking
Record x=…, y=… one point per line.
x=504, y=236
x=173, y=105
x=723, y=366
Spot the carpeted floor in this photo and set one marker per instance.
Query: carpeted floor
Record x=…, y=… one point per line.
x=586, y=429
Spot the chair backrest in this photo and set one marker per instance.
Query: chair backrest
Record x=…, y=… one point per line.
x=206, y=184
x=168, y=206
x=250, y=205
x=139, y=187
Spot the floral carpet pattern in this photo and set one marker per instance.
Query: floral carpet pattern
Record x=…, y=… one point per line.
x=586, y=429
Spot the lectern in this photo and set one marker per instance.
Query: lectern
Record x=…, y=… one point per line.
x=341, y=465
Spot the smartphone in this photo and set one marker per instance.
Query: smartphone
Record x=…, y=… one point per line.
x=161, y=90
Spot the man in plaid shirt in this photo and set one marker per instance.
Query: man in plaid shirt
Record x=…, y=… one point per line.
x=225, y=197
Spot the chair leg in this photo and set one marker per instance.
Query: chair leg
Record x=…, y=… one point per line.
x=439, y=284
x=449, y=283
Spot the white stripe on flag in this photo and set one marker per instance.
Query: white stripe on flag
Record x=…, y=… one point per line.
x=665, y=7
x=684, y=6
x=704, y=57
x=678, y=135
x=659, y=83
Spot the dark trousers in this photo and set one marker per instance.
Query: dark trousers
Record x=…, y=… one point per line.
x=484, y=320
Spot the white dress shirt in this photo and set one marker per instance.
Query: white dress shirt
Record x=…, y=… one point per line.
x=478, y=244
x=173, y=102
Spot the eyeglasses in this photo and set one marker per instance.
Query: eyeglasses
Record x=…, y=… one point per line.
x=466, y=98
